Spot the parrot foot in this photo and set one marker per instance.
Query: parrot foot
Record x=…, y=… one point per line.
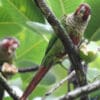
x=9, y=68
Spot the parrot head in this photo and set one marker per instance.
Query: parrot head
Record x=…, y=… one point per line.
x=83, y=12
x=10, y=44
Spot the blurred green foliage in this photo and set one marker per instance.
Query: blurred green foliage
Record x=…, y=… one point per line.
x=14, y=15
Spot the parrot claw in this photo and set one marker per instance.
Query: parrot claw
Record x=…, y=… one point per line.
x=9, y=68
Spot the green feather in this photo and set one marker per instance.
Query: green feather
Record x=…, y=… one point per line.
x=54, y=48
x=51, y=43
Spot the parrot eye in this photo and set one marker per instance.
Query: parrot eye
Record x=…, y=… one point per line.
x=83, y=11
x=86, y=13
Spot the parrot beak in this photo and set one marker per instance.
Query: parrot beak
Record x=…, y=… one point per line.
x=81, y=15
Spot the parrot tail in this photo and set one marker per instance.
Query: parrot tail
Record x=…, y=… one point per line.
x=34, y=82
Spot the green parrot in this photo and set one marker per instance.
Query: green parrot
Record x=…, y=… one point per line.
x=7, y=54
x=75, y=25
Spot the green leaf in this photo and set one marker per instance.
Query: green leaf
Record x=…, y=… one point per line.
x=96, y=62
x=14, y=14
x=38, y=92
x=60, y=73
x=93, y=74
x=30, y=52
x=28, y=9
x=40, y=28
x=9, y=29
x=94, y=24
x=96, y=35
x=63, y=6
x=49, y=79
x=7, y=98
x=95, y=95
x=32, y=46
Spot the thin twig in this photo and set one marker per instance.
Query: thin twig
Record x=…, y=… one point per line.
x=4, y=84
x=82, y=90
x=28, y=69
x=71, y=75
x=10, y=91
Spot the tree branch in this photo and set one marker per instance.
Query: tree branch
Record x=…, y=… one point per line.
x=25, y=69
x=63, y=36
x=5, y=85
x=82, y=90
x=28, y=69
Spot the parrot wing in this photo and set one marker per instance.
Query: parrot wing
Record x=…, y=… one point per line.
x=51, y=43
x=54, y=37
